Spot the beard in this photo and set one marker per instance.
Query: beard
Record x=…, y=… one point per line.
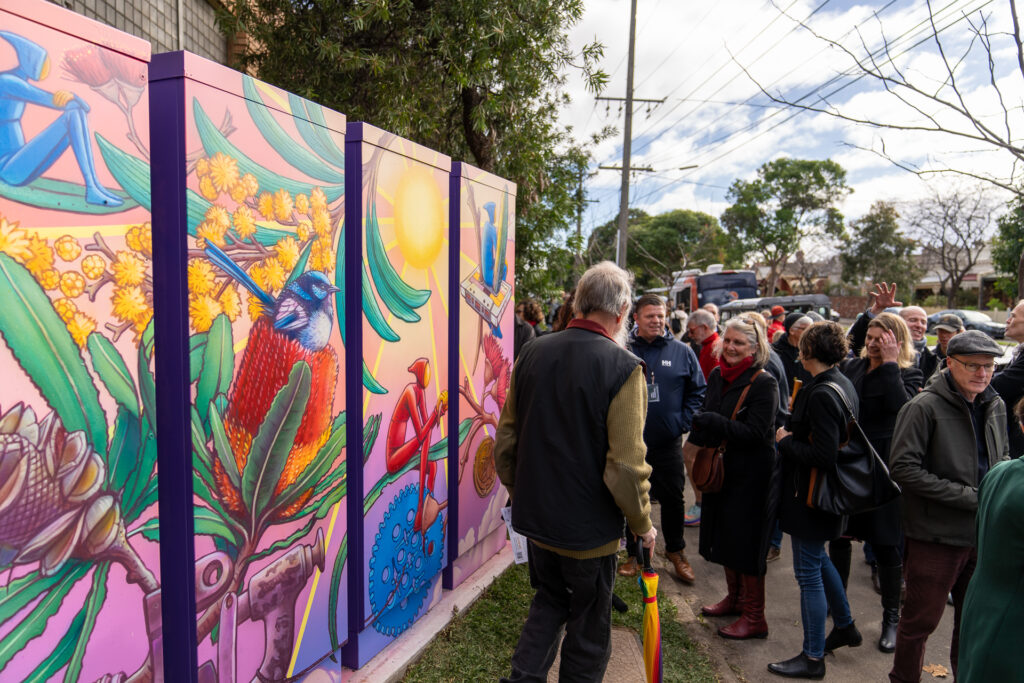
x=621, y=334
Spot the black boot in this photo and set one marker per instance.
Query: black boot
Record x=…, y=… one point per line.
x=840, y=636
x=890, y=579
x=800, y=666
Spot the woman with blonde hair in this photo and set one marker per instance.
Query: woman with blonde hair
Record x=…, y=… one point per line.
x=737, y=521
x=885, y=378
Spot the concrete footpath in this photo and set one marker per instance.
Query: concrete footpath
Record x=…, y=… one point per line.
x=747, y=660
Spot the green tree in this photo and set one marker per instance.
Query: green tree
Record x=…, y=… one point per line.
x=479, y=80
x=878, y=251
x=790, y=200
x=663, y=244
x=1008, y=248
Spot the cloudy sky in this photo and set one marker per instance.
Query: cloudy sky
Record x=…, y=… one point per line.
x=715, y=116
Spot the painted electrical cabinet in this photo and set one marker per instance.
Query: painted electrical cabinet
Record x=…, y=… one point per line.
x=250, y=209
x=482, y=217
x=79, y=554
x=397, y=332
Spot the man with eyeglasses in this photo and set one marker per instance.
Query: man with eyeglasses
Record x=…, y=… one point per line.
x=946, y=439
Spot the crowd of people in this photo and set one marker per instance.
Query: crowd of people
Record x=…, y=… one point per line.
x=611, y=407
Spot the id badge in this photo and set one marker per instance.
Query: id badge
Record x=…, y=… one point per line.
x=653, y=396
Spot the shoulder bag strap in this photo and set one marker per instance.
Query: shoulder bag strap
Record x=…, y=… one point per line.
x=743, y=395
x=842, y=398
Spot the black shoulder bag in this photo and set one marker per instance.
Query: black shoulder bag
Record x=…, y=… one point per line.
x=860, y=481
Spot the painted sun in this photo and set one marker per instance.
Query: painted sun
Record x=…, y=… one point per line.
x=419, y=218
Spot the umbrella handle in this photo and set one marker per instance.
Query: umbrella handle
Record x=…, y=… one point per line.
x=645, y=554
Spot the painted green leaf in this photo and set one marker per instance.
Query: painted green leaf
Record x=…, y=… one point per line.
x=370, y=430
x=34, y=623
x=384, y=275
x=130, y=172
x=200, y=488
x=339, y=281
x=273, y=442
x=23, y=590
x=317, y=136
x=331, y=499
x=122, y=458
x=218, y=367
x=206, y=523
x=142, y=477
x=44, y=349
x=328, y=482
x=286, y=543
x=333, y=596
x=61, y=654
x=371, y=384
x=282, y=143
x=214, y=141
x=59, y=195
x=93, y=604
x=147, y=385
x=112, y=371
x=223, y=448
x=373, y=313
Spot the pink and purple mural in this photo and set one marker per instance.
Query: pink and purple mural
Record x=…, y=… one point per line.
x=263, y=176
x=397, y=218
x=78, y=451
x=483, y=217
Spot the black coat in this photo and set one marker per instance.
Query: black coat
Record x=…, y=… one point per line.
x=737, y=522
x=817, y=412
x=1009, y=384
x=788, y=354
x=882, y=392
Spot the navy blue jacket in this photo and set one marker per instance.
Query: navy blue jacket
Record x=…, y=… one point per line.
x=680, y=383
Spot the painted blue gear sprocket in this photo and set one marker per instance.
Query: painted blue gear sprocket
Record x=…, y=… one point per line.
x=400, y=569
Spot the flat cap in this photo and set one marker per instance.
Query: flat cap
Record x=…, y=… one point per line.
x=950, y=323
x=973, y=342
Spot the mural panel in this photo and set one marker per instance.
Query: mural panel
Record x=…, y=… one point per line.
x=397, y=210
x=78, y=482
x=264, y=176
x=483, y=214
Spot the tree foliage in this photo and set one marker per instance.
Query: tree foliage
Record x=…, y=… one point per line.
x=479, y=80
x=876, y=250
x=663, y=244
x=790, y=200
x=1008, y=248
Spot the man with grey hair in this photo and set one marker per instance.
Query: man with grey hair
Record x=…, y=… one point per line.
x=1009, y=383
x=916, y=318
x=702, y=328
x=570, y=451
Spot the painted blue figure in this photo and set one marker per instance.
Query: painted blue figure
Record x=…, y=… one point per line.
x=22, y=162
x=303, y=310
x=492, y=279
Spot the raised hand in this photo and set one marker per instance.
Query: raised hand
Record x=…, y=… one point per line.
x=889, y=347
x=883, y=297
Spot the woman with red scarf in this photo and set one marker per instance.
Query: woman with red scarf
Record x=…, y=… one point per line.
x=737, y=521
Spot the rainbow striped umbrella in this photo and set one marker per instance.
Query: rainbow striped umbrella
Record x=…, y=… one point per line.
x=651, y=633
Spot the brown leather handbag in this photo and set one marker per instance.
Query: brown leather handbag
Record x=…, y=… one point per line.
x=708, y=471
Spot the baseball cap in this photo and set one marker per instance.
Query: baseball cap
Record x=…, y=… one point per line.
x=950, y=323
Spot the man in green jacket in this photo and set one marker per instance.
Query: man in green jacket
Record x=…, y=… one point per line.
x=946, y=439
x=570, y=451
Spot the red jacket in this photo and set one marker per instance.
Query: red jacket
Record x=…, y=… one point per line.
x=707, y=359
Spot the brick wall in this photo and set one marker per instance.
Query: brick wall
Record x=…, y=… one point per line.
x=157, y=22
x=849, y=306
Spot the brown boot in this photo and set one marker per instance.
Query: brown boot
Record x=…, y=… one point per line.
x=752, y=623
x=730, y=604
x=683, y=569
x=629, y=567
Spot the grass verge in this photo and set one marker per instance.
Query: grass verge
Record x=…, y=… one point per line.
x=478, y=645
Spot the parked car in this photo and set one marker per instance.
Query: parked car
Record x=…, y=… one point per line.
x=819, y=303
x=973, y=320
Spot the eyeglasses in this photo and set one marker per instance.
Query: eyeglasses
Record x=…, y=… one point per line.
x=974, y=367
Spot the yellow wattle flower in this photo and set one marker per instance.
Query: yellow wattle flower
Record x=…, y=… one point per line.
x=202, y=167
x=129, y=303
x=287, y=250
x=219, y=216
x=202, y=310
x=321, y=222
x=252, y=186
x=237, y=192
x=283, y=205
x=318, y=200
x=128, y=269
x=207, y=189
x=223, y=171
x=93, y=266
x=231, y=303
x=302, y=203
x=66, y=309
x=255, y=308
x=72, y=284
x=14, y=241
x=265, y=205
x=42, y=255
x=212, y=232
x=67, y=248
x=200, y=277
x=274, y=274
x=304, y=230
x=49, y=279
x=140, y=238
x=245, y=222
x=80, y=327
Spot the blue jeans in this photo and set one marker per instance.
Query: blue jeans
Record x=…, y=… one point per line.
x=776, y=539
x=820, y=589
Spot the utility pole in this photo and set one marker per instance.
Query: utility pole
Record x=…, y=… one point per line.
x=620, y=244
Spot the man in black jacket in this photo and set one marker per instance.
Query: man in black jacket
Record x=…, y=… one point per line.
x=675, y=393
x=570, y=451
